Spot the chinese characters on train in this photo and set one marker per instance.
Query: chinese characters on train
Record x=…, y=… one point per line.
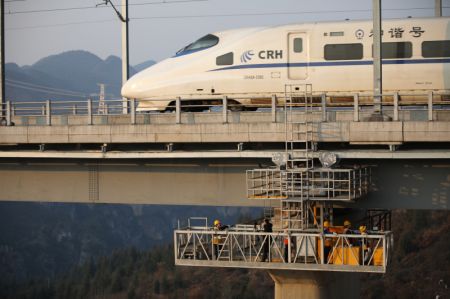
x=399, y=32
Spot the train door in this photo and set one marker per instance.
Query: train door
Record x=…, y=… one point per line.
x=297, y=56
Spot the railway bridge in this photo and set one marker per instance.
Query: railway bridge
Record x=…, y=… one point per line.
x=90, y=152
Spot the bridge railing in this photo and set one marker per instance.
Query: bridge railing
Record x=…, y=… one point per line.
x=326, y=107
x=236, y=247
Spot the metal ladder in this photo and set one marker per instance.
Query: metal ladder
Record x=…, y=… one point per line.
x=299, y=148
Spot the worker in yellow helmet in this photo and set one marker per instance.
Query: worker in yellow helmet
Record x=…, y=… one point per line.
x=363, y=230
x=217, y=239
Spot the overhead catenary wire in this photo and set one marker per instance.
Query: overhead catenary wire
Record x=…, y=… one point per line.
x=94, y=7
x=43, y=89
x=217, y=15
x=279, y=13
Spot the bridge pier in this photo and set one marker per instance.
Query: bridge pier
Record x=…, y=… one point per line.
x=315, y=284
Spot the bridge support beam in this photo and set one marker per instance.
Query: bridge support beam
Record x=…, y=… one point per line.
x=315, y=285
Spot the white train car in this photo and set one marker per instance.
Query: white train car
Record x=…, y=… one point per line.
x=334, y=57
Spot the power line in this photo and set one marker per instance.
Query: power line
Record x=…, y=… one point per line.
x=60, y=24
x=278, y=13
x=215, y=15
x=93, y=7
x=43, y=89
x=42, y=86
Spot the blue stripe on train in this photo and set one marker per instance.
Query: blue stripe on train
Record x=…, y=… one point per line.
x=332, y=63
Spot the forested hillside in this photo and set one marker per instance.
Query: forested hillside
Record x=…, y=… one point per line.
x=45, y=240
x=419, y=269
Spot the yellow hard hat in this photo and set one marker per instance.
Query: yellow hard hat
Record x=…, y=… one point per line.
x=347, y=223
x=326, y=224
x=216, y=222
x=362, y=228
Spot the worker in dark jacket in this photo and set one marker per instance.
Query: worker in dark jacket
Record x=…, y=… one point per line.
x=267, y=227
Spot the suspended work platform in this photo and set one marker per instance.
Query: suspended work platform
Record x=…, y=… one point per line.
x=244, y=246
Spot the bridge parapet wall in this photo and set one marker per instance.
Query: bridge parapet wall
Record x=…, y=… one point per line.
x=351, y=132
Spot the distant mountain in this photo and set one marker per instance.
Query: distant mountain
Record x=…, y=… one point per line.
x=141, y=66
x=46, y=239
x=70, y=75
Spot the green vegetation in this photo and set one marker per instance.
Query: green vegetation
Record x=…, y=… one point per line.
x=419, y=268
x=138, y=274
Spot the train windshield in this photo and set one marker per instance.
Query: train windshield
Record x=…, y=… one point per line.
x=205, y=42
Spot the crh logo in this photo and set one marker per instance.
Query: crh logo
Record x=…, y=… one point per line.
x=247, y=56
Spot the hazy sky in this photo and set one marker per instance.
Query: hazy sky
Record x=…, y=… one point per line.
x=158, y=28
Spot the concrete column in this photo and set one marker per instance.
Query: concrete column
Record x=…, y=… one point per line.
x=315, y=284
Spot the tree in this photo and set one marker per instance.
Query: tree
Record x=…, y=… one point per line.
x=156, y=287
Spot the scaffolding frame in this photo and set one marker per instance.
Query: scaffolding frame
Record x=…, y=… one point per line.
x=244, y=247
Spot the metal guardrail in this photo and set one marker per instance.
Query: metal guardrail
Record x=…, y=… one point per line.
x=331, y=184
x=237, y=247
x=358, y=103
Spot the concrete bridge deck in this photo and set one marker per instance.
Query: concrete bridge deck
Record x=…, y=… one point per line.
x=242, y=127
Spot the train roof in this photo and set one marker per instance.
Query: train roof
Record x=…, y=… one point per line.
x=246, y=30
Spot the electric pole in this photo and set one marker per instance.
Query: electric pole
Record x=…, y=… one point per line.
x=123, y=17
x=2, y=59
x=125, y=48
x=438, y=8
x=377, y=59
x=102, y=109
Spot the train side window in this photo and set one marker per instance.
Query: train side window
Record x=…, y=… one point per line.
x=437, y=48
x=343, y=52
x=396, y=50
x=225, y=59
x=298, y=45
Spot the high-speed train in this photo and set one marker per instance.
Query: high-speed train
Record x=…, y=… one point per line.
x=251, y=64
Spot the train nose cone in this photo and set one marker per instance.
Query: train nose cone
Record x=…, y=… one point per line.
x=130, y=89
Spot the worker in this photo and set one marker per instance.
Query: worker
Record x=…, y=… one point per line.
x=347, y=227
x=286, y=246
x=267, y=228
x=364, y=242
x=328, y=244
x=217, y=239
x=348, y=231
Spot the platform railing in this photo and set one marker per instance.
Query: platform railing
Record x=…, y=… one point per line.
x=279, y=250
x=358, y=104
x=330, y=184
